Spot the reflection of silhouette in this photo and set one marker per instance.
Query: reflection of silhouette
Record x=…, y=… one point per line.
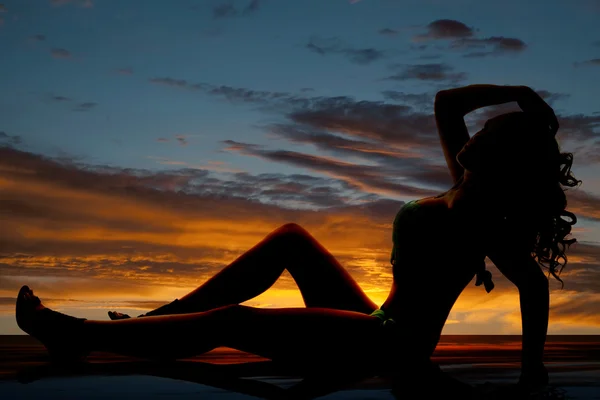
x=242, y=378
x=507, y=203
x=231, y=377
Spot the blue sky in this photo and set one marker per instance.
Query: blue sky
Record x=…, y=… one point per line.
x=226, y=97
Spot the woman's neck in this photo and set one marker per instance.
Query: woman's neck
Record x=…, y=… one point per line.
x=474, y=201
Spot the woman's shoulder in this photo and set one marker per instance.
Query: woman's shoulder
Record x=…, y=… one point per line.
x=425, y=208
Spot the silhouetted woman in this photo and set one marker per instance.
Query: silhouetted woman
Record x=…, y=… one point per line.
x=507, y=203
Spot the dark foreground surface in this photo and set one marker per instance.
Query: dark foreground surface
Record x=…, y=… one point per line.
x=489, y=363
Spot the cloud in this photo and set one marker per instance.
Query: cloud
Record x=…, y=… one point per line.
x=423, y=101
x=224, y=10
x=181, y=83
x=253, y=6
x=9, y=140
x=489, y=46
x=595, y=62
x=80, y=3
x=445, y=29
x=78, y=105
x=228, y=10
x=324, y=46
x=38, y=38
x=125, y=71
x=60, y=53
x=462, y=37
x=182, y=139
x=552, y=97
x=435, y=72
x=388, y=32
x=367, y=178
x=86, y=106
x=59, y=98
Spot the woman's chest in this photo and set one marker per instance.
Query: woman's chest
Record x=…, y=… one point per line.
x=429, y=229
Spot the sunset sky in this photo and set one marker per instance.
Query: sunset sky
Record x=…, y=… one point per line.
x=146, y=144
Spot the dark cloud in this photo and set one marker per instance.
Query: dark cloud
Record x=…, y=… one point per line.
x=253, y=6
x=388, y=32
x=228, y=10
x=9, y=140
x=59, y=98
x=125, y=71
x=181, y=83
x=160, y=139
x=80, y=3
x=371, y=120
x=552, y=97
x=86, y=106
x=446, y=29
x=462, y=37
x=435, y=72
x=60, y=53
x=324, y=46
x=38, y=38
x=595, y=62
x=224, y=10
x=135, y=182
x=423, y=101
x=489, y=46
x=182, y=139
x=365, y=177
x=430, y=56
x=579, y=128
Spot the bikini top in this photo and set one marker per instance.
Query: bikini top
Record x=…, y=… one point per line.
x=409, y=212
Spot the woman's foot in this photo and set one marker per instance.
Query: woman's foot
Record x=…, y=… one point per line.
x=168, y=309
x=115, y=315
x=61, y=334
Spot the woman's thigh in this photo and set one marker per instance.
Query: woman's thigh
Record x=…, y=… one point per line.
x=318, y=336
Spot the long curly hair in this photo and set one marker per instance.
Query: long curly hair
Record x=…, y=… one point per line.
x=551, y=244
x=541, y=172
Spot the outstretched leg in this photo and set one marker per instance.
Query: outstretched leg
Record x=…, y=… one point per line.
x=300, y=335
x=322, y=281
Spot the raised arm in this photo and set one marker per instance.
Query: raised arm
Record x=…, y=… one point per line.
x=453, y=104
x=523, y=271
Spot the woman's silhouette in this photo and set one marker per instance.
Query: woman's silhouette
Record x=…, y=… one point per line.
x=507, y=203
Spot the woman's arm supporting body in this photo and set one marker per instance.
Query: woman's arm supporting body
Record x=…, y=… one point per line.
x=453, y=104
x=525, y=273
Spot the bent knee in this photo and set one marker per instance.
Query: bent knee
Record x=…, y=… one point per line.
x=292, y=228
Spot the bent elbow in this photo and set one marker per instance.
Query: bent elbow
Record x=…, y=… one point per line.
x=440, y=98
x=443, y=104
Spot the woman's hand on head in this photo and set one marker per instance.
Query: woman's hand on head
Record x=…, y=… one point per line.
x=531, y=102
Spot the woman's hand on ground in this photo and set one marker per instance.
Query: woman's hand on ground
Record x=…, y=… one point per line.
x=534, y=378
